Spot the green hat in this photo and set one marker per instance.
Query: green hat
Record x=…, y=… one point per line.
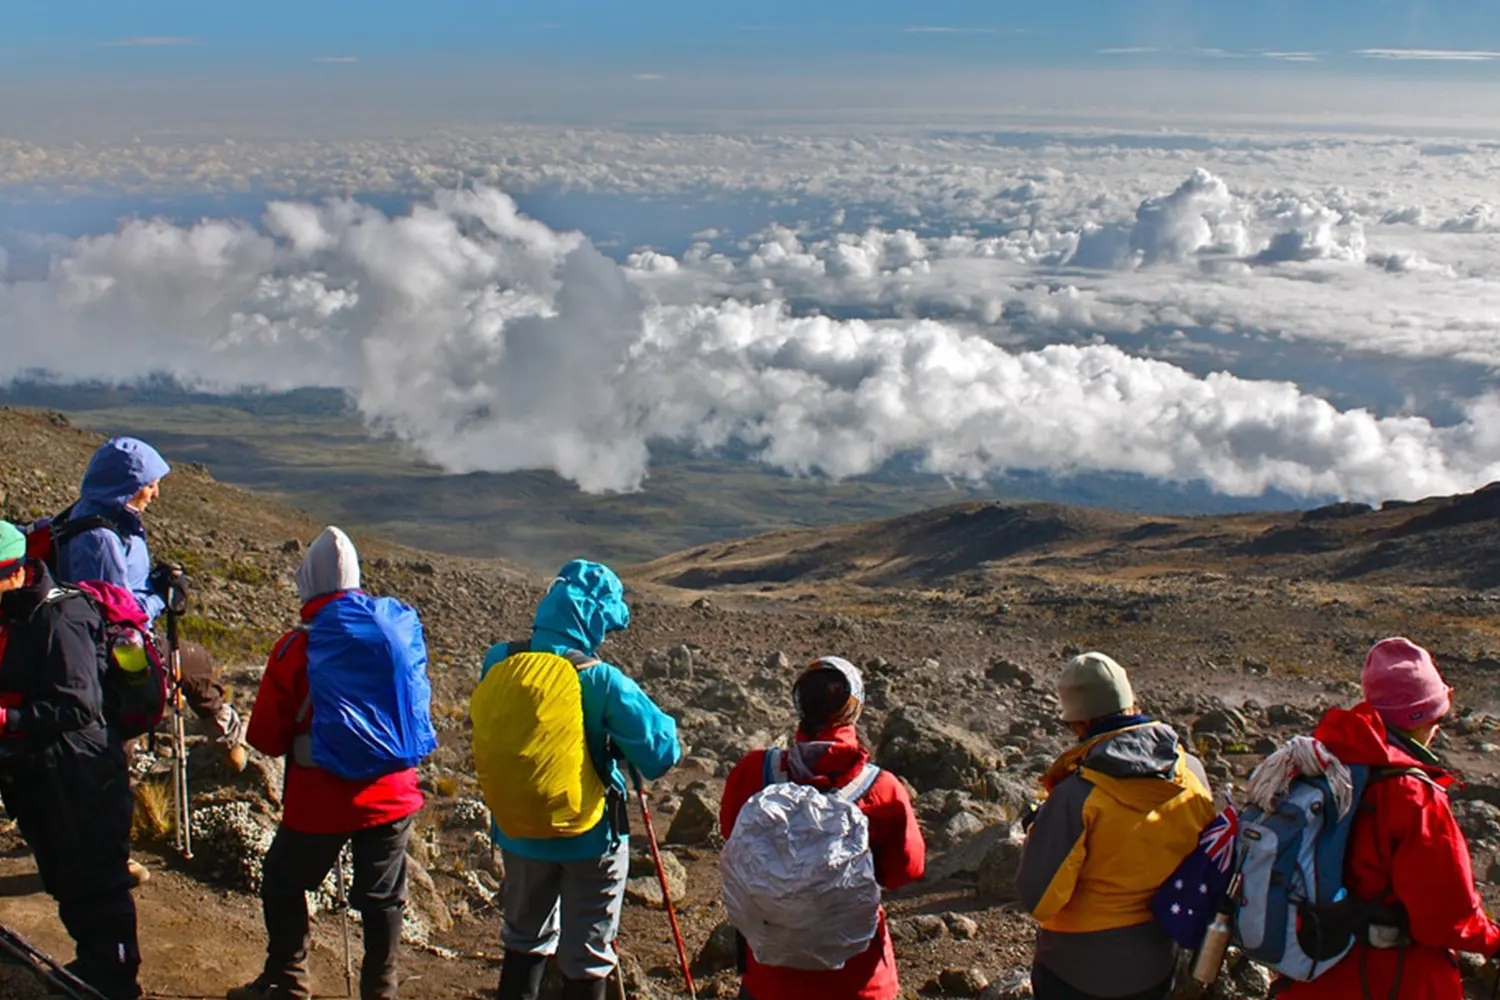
x=1093, y=686
x=12, y=546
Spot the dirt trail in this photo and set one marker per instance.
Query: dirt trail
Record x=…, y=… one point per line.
x=199, y=942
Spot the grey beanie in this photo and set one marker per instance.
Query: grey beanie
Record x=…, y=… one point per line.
x=331, y=565
x=1093, y=686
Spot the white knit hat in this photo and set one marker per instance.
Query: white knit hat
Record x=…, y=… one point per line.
x=1093, y=686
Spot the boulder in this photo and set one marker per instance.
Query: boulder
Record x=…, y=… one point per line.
x=924, y=927
x=1479, y=821
x=697, y=819
x=930, y=753
x=961, y=927
x=1220, y=722
x=998, y=870
x=718, y=954
x=1010, y=673
x=426, y=910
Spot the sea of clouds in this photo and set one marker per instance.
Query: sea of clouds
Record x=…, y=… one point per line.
x=1246, y=312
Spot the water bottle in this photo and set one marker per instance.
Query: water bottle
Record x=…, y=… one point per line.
x=1211, y=953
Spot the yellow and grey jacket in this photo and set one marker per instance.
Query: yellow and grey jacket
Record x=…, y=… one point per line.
x=1125, y=808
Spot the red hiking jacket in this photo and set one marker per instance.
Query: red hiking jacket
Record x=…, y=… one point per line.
x=1405, y=846
x=316, y=801
x=900, y=858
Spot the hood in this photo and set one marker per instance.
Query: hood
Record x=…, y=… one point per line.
x=586, y=602
x=1114, y=761
x=119, y=469
x=331, y=565
x=1358, y=736
x=829, y=759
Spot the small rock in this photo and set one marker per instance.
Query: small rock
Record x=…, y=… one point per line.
x=1013, y=984
x=644, y=886
x=703, y=604
x=925, y=927
x=778, y=662
x=962, y=982
x=1222, y=722
x=1010, y=673
x=961, y=927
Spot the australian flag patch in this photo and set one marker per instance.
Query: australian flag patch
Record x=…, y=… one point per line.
x=1187, y=901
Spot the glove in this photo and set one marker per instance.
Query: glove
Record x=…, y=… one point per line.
x=1029, y=816
x=163, y=577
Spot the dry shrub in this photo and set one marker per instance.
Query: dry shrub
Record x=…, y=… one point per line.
x=152, y=820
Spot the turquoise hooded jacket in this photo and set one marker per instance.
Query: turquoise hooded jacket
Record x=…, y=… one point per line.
x=586, y=602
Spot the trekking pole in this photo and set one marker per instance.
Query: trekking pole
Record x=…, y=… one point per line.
x=57, y=977
x=661, y=874
x=344, y=916
x=181, y=801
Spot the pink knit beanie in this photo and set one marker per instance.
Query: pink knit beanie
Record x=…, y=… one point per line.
x=1403, y=685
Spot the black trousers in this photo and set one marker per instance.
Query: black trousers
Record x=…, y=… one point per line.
x=298, y=863
x=1046, y=985
x=73, y=805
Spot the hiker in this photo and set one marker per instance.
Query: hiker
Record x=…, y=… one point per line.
x=1124, y=807
x=63, y=776
x=102, y=537
x=562, y=829
x=826, y=756
x=1406, y=853
x=354, y=663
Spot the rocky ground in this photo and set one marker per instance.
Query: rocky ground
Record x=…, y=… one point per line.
x=959, y=669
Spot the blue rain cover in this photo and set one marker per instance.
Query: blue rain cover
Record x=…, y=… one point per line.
x=371, y=701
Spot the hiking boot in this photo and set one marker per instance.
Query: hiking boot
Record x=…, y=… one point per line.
x=521, y=976
x=259, y=991
x=139, y=873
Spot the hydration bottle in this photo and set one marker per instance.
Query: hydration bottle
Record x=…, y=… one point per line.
x=1211, y=952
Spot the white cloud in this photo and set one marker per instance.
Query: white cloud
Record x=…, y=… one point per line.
x=1430, y=55
x=455, y=325
x=1296, y=57
x=149, y=40
x=1129, y=50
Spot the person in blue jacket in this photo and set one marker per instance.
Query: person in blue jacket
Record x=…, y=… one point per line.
x=563, y=896
x=104, y=538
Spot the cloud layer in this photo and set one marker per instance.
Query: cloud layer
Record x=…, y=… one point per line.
x=491, y=341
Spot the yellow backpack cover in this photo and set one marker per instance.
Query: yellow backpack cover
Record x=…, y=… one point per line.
x=530, y=754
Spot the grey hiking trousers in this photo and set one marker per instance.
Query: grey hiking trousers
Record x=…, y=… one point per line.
x=570, y=909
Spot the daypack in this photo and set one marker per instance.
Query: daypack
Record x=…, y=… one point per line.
x=530, y=752
x=798, y=876
x=46, y=536
x=1294, y=913
x=368, y=692
x=135, y=681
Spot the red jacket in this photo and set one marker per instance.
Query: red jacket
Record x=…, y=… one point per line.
x=1405, y=846
x=316, y=801
x=900, y=858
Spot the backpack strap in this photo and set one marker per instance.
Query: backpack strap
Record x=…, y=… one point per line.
x=69, y=527
x=775, y=770
x=580, y=661
x=860, y=786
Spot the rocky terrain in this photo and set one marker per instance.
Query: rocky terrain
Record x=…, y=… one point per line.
x=1237, y=630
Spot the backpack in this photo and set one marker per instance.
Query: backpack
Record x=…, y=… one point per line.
x=135, y=682
x=1294, y=914
x=798, y=876
x=46, y=537
x=367, y=690
x=530, y=752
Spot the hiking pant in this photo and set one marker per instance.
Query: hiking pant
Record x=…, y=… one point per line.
x=296, y=864
x=1046, y=985
x=570, y=909
x=204, y=694
x=73, y=806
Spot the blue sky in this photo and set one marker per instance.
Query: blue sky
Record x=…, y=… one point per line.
x=120, y=36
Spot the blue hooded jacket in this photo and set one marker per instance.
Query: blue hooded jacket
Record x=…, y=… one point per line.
x=117, y=472
x=586, y=602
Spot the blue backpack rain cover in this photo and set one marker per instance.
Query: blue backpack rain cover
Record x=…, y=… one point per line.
x=1295, y=915
x=367, y=675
